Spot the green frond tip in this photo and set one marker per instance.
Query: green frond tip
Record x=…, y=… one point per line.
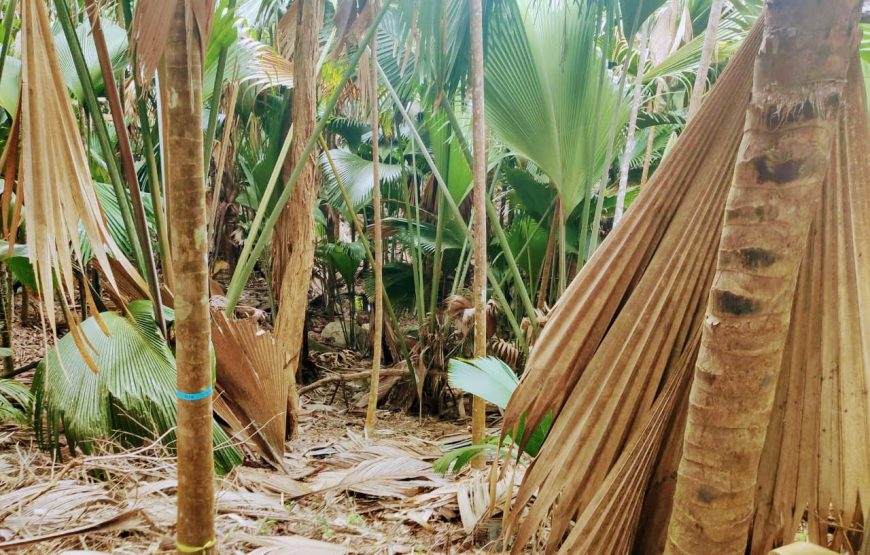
x=14, y=402
x=129, y=401
x=494, y=381
x=488, y=378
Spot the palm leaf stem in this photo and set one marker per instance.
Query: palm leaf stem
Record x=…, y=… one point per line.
x=454, y=209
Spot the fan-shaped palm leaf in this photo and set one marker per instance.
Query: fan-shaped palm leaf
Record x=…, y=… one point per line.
x=355, y=173
x=130, y=398
x=547, y=94
x=116, y=43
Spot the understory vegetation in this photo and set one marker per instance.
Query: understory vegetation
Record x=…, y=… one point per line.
x=621, y=245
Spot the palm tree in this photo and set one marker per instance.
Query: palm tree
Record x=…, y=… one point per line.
x=377, y=322
x=182, y=83
x=293, y=242
x=479, y=199
x=784, y=156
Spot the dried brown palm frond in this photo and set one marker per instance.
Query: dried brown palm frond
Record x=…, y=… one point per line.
x=612, y=343
x=250, y=368
x=507, y=351
x=53, y=173
x=605, y=477
x=151, y=30
x=268, y=68
x=815, y=463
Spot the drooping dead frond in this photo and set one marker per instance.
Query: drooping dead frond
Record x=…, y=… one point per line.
x=250, y=369
x=624, y=328
x=268, y=68
x=53, y=172
x=151, y=30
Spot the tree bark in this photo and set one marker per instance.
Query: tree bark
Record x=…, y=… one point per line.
x=478, y=139
x=799, y=79
x=378, y=268
x=293, y=242
x=706, y=58
x=187, y=216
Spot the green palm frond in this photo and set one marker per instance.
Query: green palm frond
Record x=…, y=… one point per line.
x=355, y=173
x=683, y=63
x=548, y=94
x=10, y=83
x=420, y=235
x=114, y=220
x=344, y=257
x=116, y=44
x=129, y=400
x=15, y=402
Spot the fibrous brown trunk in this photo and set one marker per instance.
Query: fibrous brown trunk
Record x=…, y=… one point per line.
x=182, y=83
x=478, y=405
x=293, y=241
x=791, y=121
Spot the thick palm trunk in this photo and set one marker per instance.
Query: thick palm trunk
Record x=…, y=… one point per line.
x=478, y=406
x=187, y=216
x=293, y=242
x=790, y=125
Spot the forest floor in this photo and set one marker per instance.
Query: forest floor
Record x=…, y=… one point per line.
x=341, y=493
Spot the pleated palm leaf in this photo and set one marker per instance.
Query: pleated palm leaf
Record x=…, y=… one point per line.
x=131, y=397
x=355, y=174
x=548, y=94
x=15, y=401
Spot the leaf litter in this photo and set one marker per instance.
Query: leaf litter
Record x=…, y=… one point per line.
x=340, y=493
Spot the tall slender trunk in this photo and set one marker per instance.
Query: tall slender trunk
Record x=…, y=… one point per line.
x=637, y=98
x=377, y=322
x=478, y=140
x=293, y=241
x=798, y=86
x=706, y=58
x=187, y=216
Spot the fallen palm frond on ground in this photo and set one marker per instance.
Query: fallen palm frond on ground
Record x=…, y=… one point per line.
x=614, y=362
x=340, y=493
x=250, y=365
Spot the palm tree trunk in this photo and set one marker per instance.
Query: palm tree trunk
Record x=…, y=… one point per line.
x=706, y=58
x=637, y=98
x=377, y=322
x=790, y=124
x=478, y=139
x=187, y=216
x=293, y=241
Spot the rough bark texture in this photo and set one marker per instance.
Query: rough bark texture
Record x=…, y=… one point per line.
x=187, y=216
x=377, y=322
x=478, y=405
x=293, y=241
x=798, y=85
